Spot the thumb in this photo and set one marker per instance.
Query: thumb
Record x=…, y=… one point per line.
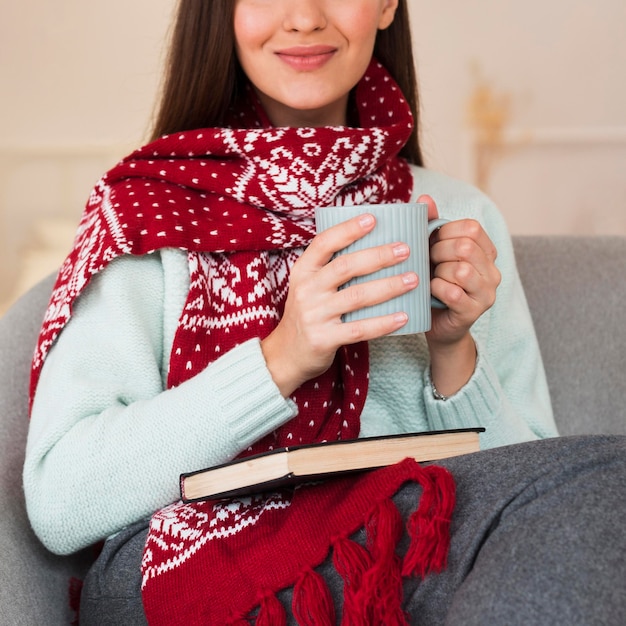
x=433, y=213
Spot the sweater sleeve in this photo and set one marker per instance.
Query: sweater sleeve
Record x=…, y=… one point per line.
x=107, y=441
x=507, y=393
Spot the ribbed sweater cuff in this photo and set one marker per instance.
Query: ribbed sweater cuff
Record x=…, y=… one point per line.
x=475, y=404
x=251, y=402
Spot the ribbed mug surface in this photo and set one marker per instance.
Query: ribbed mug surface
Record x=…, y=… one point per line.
x=407, y=223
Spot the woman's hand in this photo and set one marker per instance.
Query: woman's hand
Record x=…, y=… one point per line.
x=465, y=279
x=304, y=343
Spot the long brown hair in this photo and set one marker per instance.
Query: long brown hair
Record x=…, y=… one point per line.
x=203, y=78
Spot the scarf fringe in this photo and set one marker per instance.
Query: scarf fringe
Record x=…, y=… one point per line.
x=373, y=575
x=373, y=590
x=429, y=526
x=312, y=603
x=271, y=612
x=382, y=583
x=352, y=561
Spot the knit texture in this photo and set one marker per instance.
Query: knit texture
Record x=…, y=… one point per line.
x=123, y=328
x=268, y=542
x=241, y=202
x=248, y=196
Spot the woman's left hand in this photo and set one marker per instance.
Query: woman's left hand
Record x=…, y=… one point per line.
x=465, y=279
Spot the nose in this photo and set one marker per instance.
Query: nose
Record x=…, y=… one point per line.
x=305, y=15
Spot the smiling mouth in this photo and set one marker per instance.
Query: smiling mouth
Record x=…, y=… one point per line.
x=306, y=58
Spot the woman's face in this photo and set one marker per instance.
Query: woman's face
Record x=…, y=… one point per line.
x=304, y=56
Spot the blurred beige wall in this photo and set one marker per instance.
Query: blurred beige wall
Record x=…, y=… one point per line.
x=77, y=84
x=527, y=100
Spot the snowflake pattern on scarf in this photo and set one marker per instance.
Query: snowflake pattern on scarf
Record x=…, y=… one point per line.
x=240, y=201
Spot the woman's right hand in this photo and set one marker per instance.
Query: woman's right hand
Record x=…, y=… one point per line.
x=304, y=343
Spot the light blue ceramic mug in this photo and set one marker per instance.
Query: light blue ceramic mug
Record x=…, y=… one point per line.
x=406, y=222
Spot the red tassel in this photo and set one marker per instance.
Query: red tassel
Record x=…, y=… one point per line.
x=384, y=529
x=352, y=560
x=312, y=603
x=382, y=584
x=429, y=525
x=271, y=612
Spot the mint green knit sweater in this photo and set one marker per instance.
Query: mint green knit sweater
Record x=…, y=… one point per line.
x=107, y=442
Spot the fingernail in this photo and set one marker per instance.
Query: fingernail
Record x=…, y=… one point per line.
x=366, y=220
x=410, y=278
x=401, y=318
x=401, y=250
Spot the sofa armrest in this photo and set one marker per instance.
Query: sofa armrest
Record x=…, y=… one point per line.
x=33, y=582
x=576, y=291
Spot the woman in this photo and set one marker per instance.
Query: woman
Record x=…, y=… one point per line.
x=198, y=318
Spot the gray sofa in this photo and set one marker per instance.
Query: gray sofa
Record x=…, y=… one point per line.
x=576, y=289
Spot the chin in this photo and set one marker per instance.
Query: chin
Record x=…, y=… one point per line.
x=307, y=111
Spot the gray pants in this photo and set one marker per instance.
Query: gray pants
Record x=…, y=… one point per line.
x=538, y=537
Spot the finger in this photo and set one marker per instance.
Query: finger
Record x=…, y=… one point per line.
x=433, y=212
x=456, y=299
x=477, y=275
x=365, y=294
x=463, y=307
x=467, y=229
x=461, y=250
x=371, y=328
x=345, y=267
x=479, y=288
x=330, y=241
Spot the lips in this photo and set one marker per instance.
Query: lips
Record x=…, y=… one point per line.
x=306, y=58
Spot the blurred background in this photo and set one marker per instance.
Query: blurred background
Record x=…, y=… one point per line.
x=525, y=100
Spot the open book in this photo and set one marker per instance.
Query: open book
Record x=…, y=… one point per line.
x=285, y=466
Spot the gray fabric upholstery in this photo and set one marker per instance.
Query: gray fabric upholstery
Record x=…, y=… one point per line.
x=33, y=582
x=576, y=290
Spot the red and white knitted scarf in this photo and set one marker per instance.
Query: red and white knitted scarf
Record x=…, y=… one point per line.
x=240, y=200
